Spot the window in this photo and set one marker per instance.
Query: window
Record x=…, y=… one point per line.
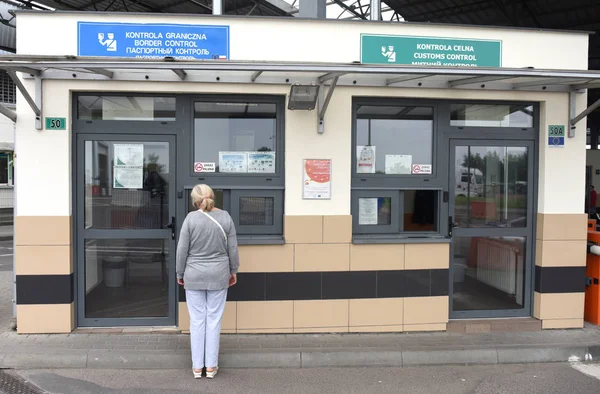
x=8, y=90
x=254, y=212
x=395, y=185
x=6, y=169
x=237, y=146
x=126, y=108
x=491, y=115
x=394, y=140
x=395, y=211
x=235, y=137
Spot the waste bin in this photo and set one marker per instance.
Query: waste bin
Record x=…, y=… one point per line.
x=114, y=271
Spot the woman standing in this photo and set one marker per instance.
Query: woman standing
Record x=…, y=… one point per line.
x=207, y=265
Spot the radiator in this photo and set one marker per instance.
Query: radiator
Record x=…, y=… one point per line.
x=497, y=265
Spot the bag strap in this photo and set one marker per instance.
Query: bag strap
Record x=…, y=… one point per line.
x=217, y=223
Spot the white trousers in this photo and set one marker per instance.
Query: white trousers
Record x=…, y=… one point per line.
x=206, y=313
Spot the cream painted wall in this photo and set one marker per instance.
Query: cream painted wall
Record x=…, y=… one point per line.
x=289, y=39
x=45, y=156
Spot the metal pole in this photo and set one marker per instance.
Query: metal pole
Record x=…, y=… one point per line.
x=217, y=7
x=375, y=9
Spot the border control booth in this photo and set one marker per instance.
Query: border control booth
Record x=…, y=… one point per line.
x=382, y=177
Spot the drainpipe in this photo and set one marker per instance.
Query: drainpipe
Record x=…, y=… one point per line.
x=217, y=7
x=375, y=10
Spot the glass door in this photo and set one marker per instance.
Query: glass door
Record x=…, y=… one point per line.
x=491, y=222
x=125, y=193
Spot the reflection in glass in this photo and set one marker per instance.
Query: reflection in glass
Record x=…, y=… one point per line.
x=126, y=278
x=374, y=211
x=247, y=128
x=126, y=108
x=400, y=135
x=491, y=115
x=257, y=211
x=488, y=273
x=420, y=210
x=491, y=186
x=126, y=195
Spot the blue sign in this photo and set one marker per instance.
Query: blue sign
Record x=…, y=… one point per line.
x=556, y=142
x=152, y=40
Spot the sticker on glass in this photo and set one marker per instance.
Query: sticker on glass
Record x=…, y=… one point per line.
x=421, y=169
x=204, y=167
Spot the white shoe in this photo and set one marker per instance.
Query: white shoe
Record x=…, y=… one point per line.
x=212, y=374
x=197, y=375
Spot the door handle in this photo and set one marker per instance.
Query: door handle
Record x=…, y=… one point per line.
x=172, y=227
x=451, y=225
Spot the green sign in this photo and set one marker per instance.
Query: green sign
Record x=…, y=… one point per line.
x=428, y=51
x=56, y=123
x=556, y=130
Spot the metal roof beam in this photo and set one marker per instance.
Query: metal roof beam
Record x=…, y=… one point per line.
x=9, y=113
x=585, y=113
x=591, y=85
x=323, y=104
x=24, y=92
x=329, y=76
x=468, y=81
x=541, y=82
x=180, y=73
x=405, y=78
x=101, y=71
x=255, y=75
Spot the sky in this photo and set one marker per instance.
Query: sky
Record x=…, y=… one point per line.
x=334, y=11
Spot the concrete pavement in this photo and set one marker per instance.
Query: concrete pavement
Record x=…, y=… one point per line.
x=163, y=351
x=515, y=379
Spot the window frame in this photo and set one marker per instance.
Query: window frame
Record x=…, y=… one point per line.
x=407, y=181
x=272, y=230
x=248, y=179
x=395, y=230
x=107, y=122
x=378, y=229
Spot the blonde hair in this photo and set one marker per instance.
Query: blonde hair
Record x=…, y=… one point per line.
x=203, y=197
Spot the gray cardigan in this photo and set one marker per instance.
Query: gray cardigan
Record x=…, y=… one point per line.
x=204, y=261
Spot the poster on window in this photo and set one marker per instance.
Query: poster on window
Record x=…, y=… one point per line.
x=398, y=164
x=129, y=155
x=128, y=168
x=261, y=162
x=365, y=159
x=128, y=177
x=367, y=211
x=316, y=182
x=233, y=162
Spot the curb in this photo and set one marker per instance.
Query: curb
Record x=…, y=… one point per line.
x=305, y=358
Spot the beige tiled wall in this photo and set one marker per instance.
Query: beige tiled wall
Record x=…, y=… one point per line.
x=43, y=247
x=561, y=242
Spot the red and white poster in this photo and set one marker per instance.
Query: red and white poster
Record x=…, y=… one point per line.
x=316, y=182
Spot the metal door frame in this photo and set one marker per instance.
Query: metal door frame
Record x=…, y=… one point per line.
x=151, y=134
x=528, y=231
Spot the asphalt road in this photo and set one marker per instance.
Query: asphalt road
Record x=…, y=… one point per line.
x=6, y=255
x=497, y=379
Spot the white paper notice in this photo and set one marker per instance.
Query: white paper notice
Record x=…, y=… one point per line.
x=367, y=211
x=262, y=162
x=129, y=155
x=398, y=164
x=128, y=170
x=128, y=177
x=365, y=159
x=233, y=162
